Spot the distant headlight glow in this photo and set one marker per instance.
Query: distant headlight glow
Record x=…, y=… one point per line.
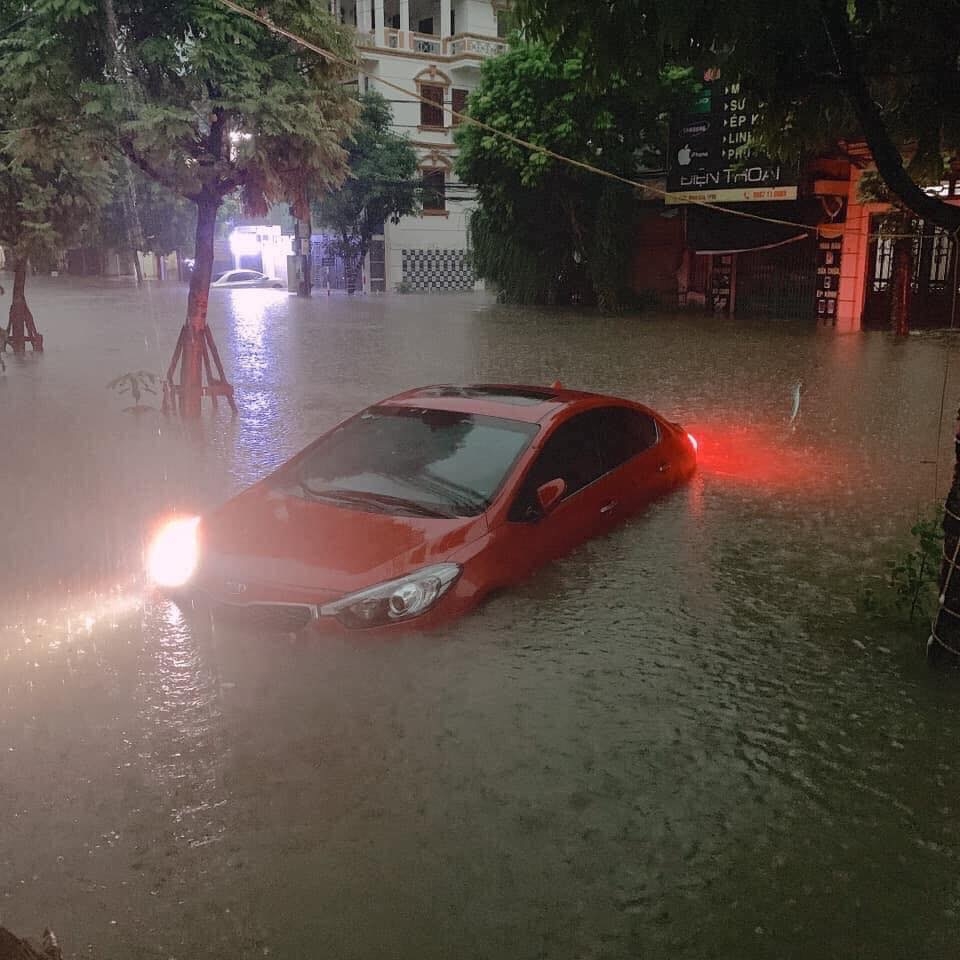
x=173, y=555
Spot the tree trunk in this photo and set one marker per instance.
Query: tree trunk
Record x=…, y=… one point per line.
x=137, y=269
x=901, y=285
x=945, y=635
x=883, y=149
x=191, y=365
x=921, y=298
x=21, y=327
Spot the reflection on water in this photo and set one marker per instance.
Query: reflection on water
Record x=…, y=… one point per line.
x=182, y=748
x=679, y=742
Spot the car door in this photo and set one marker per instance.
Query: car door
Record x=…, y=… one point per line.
x=571, y=454
x=635, y=457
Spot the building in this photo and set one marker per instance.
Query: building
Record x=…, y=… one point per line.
x=786, y=240
x=837, y=268
x=433, y=48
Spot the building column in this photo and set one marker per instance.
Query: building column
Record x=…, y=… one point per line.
x=444, y=30
x=364, y=8
x=405, y=25
x=379, y=37
x=853, y=261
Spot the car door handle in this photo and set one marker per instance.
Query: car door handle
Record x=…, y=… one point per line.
x=664, y=467
x=609, y=507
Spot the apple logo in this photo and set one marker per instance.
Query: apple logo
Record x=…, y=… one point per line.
x=683, y=155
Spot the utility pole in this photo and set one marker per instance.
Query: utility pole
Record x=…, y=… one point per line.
x=301, y=249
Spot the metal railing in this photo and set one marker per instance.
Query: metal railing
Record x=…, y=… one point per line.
x=476, y=46
x=425, y=43
x=464, y=44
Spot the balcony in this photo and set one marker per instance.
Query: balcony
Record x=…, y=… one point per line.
x=466, y=44
x=461, y=45
x=426, y=43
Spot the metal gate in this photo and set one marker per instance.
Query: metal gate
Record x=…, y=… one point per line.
x=327, y=270
x=778, y=283
x=934, y=277
x=378, y=265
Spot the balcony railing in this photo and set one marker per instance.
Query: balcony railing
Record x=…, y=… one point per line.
x=463, y=44
x=477, y=46
x=424, y=43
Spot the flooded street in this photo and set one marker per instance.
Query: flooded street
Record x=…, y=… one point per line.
x=679, y=742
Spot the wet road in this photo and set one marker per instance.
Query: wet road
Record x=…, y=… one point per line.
x=679, y=742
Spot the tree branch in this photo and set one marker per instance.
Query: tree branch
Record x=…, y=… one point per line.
x=132, y=154
x=885, y=153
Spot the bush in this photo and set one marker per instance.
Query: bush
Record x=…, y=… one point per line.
x=910, y=585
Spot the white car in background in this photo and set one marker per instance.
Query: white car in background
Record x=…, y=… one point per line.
x=246, y=278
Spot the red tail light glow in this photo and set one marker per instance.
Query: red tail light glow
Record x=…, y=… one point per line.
x=693, y=442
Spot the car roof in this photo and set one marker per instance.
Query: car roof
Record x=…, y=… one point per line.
x=510, y=401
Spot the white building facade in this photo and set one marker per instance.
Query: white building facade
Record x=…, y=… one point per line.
x=433, y=48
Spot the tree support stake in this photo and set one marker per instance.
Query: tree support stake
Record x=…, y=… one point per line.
x=196, y=347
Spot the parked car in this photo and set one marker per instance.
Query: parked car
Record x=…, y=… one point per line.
x=415, y=509
x=246, y=278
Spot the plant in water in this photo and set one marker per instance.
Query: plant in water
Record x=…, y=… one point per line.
x=909, y=588
x=134, y=384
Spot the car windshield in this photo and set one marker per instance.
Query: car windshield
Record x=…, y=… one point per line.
x=414, y=460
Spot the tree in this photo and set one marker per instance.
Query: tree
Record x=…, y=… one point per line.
x=52, y=170
x=546, y=231
x=206, y=102
x=379, y=187
x=823, y=69
x=141, y=215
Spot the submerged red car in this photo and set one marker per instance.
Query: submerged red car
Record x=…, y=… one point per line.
x=415, y=509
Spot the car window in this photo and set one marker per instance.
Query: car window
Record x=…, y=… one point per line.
x=570, y=454
x=622, y=433
x=436, y=458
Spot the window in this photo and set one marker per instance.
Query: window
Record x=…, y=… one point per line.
x=570, y=455
x=454, y=462
x=583, y=450
x=459, y=103
x=434, y=191
x=504, y=23
x=431, y=114
x=623, y=433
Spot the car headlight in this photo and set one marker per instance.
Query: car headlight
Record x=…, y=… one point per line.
x=395, y=600
x=174, y=553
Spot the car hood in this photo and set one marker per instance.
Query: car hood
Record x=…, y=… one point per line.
x=271, y=540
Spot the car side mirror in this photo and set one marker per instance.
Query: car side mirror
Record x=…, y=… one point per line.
x=550, y=494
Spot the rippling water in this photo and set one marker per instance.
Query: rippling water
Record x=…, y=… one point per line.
x=678, y=742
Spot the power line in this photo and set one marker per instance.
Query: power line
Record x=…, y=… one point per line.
x=526, y=144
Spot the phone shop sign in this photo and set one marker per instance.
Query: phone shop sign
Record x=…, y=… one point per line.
x=713, y=156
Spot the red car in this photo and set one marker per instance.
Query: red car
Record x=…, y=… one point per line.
x=415, y=509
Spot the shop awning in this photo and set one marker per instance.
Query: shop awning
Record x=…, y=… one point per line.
x=711, y=230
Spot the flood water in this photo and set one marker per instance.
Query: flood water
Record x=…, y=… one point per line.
x=682, y=741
